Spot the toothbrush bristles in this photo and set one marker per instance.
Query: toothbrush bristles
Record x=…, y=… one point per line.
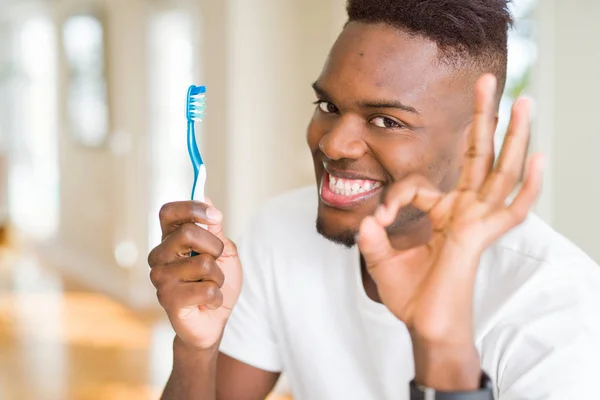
x=197, y=103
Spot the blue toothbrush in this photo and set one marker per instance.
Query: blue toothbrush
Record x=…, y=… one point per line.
x=194, y=111
x=195, y=107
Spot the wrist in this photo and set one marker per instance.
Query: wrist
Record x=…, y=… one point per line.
x=182, y=349
x=447, y=367
x=194, y=372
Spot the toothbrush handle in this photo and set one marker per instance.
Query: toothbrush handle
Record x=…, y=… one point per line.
x=198, y=192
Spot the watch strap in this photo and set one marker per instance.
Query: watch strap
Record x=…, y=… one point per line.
x=485, y=392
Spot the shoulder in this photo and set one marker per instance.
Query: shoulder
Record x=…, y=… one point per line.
x=535, y=239
x=286, y=220
x=534, y=250
x=533, y=267
x=535, y=274
x=536, y=307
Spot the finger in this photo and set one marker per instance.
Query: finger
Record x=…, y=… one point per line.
x=180, y=243
x=441, y=214
x=230, y=249
x=517, y=211
x=173, y=215
x=509, y=169
x=373, y=242
x=479, y=157
x=194, y=269
x=186, y=295
x=415, y=189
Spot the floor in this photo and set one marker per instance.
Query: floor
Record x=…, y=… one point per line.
x=59, y=342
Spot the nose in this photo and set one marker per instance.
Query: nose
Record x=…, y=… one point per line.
x=344, y=140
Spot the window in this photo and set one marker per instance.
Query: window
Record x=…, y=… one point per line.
x=522, y=54
x=32, y=130
x=83, y=42
x=172, y=67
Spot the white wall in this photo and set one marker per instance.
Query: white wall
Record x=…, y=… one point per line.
x=277, y=49
x=566, y=126
x=103, y=197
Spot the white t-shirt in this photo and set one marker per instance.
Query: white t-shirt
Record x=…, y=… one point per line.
x=303, y=311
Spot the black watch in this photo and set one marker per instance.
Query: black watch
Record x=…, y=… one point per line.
x=485, y=392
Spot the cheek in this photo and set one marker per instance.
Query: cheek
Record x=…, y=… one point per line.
x=401, y=156
x=449, y=169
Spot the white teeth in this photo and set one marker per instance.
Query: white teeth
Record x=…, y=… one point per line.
x=351, y=187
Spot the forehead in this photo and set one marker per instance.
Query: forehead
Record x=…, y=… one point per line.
x=380, y=61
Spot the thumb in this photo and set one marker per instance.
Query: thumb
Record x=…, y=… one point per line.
x=373, y=242
x=217, y=230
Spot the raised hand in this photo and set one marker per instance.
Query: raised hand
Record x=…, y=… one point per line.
x=430, y=288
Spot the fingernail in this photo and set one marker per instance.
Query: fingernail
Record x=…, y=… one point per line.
x=213, y=214
x=525, y=101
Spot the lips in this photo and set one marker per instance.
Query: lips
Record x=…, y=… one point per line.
x=343, y=191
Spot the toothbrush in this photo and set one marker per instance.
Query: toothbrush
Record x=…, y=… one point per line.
x=195, y=106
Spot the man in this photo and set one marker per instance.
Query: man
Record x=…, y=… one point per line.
x=425, y=279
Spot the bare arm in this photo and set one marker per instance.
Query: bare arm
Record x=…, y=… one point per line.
x=239, y=381
x=209, y=375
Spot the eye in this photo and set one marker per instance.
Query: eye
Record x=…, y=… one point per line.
x=385, y=122
x=327, y=107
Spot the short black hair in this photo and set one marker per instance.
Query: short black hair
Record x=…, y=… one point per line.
x=467, y=32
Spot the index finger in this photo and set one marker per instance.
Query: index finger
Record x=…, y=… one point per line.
x=173, y=215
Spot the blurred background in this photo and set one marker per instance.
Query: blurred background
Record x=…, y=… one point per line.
x=92, y=143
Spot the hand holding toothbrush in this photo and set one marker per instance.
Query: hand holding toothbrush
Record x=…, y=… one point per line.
x=198, y=293
x=196, y=269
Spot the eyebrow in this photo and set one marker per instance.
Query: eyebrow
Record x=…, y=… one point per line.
x=370, y=104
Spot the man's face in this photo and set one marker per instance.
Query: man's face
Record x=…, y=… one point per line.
x=387, y=108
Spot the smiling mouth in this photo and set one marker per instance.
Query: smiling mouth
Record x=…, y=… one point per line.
x=346, y=193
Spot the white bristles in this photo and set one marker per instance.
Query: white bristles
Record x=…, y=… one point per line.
x=199, y=102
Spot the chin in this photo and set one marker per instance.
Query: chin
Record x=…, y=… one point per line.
x=337, y=235
x=339, y=226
